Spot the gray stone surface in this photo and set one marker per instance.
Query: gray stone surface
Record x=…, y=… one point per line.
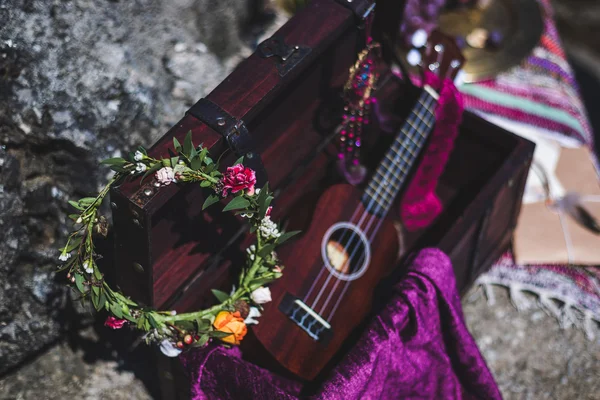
x=63, y=373
x=527, y=352
x=82, y=80
x=530, y=356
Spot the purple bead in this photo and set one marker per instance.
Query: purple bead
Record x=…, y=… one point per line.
x=355, y=161
x=340, y=155
x=357, y=143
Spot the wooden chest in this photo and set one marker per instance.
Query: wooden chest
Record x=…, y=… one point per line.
x=169, y=253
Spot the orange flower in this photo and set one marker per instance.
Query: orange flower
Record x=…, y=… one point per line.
x=232, y=323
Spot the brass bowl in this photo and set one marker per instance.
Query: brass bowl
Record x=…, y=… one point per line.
x=519, y=22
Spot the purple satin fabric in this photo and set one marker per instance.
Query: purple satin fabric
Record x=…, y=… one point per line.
x=417, y=347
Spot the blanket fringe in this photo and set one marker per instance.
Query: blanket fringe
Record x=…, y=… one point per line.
x=567, y=313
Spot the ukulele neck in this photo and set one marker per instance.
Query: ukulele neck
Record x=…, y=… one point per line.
x=388, y=179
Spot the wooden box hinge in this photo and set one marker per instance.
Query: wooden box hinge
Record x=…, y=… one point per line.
x=289, y=55
x=235, y=133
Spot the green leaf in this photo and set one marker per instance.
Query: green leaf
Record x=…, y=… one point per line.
x=95, y=301
x=124, y=299
x=185, y=325
x=201, y=341
x=153, y=322
x=140, y=322
x=208, y=160
x=73, y=244
x=239, y=161
x=286, y=236
x=188, y=145
x=79, y=279
x=96, y=290
x=155, y=167
x=205, y=184
x=102, y=301
x=263, y=201
x=266, y=250
x=87, y=201
x=116, y=310
x=236, y=203
x=174, y=161
x=142, y=150
x=114, y=161
x=176, y=144
x=210, y=200
x=220, y=295
x=202, y=325
x=118, y=168
x=98, y=274
x=128, y=317
x=76, y=205
x=196, y=164
x=202, y=154
x=219, y=334
x=261, y=282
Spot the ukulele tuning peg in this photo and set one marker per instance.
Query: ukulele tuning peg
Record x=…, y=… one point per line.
x=452, y=68
x=419, y=38
x=414, y=57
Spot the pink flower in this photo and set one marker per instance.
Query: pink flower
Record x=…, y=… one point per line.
x=277, y=268
x=165, y=176
x=238, y=178
x=114, y=323
x=268, y=213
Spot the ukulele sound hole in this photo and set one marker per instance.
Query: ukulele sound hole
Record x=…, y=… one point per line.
x=346, y=251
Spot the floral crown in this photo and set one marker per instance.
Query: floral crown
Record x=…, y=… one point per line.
x=225, y=321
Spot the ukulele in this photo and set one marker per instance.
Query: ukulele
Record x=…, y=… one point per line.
x=332, y=270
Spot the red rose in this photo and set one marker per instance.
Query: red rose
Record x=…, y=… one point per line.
x=238, y=178
x=114, y=323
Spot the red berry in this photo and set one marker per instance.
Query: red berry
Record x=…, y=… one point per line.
x=180, y=345
x=188, y=339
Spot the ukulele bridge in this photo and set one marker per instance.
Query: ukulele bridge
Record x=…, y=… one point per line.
x=306, y=318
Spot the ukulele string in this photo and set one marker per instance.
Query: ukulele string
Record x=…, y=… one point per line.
x=365, y=213
x=406, y=150
x=323, y=269
x=347, y=285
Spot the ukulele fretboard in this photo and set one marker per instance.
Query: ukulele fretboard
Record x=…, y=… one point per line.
x=400, y=157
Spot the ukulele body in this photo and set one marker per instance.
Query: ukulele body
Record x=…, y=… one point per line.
x=341, y=297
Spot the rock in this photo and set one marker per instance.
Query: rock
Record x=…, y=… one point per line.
x=81, y=81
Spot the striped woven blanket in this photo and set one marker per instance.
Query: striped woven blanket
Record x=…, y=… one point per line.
x=541, y=92
x=541, y=96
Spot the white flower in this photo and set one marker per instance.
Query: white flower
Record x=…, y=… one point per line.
x=268, y=229
x=140, y=167
x=256, y=191
x=138, y=156
x=261, y=295
x=254, y=312
x=165, y=175
x=169, y=349
x=251, y=250
x=88, y=267
x=64, y=256
x=249, y=215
